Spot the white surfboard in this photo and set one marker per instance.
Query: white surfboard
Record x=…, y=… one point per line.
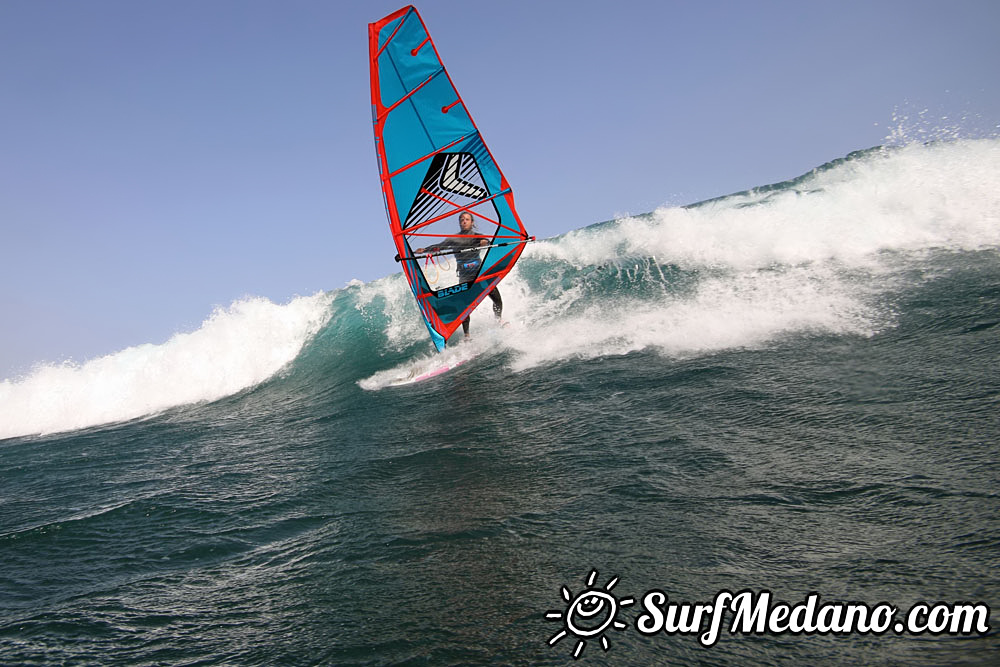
x=419, y=375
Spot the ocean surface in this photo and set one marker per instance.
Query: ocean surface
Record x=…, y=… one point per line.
x=794, y=389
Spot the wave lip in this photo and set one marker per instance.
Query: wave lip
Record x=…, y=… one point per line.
x=234, y=349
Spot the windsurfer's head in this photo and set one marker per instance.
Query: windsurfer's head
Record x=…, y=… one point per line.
x=466, y=222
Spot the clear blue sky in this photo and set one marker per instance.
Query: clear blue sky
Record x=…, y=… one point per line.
x=160, y=158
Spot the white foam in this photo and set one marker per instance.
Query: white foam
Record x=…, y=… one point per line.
x=916, y=197
x=737, y=311
x=812, y=258
x=234, y=349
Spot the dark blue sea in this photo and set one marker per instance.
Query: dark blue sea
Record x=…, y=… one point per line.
x=794, y=389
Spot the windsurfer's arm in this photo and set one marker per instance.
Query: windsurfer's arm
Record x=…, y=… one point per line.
x=436, y=247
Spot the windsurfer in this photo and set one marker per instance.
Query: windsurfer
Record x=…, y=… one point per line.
x=467, y=243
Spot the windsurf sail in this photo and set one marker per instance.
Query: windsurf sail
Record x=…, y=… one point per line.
x=434, y=166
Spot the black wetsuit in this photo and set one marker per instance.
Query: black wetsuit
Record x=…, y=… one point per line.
x=468, y=259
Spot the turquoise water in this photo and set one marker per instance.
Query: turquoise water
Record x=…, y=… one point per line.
x=792, y=389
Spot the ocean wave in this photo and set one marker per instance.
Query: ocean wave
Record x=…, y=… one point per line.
x=235, y=348
x=816, y=254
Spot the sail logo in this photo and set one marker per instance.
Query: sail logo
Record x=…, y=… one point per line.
x=448, y=291
x=452, y=176
x=589, y=614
